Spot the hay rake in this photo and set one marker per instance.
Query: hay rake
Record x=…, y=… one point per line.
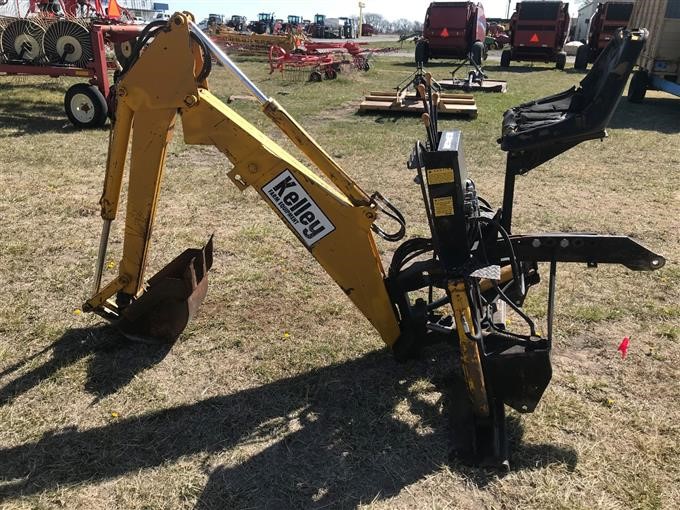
x=46, y=44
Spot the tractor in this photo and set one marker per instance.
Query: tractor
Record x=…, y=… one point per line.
x=237, y=22
x=263, y=24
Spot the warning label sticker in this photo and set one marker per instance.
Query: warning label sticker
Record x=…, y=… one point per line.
x=443, y=206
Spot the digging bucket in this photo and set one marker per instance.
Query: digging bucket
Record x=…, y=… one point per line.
x=171, y=298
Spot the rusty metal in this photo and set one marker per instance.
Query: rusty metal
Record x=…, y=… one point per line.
x=171, y=299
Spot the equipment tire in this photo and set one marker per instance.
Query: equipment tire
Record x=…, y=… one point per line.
x=561, y=60
x=123, y=51
x=506, y=56
x=330, y=73
x=638, y=86
x=581, y=60
x=422, y=52
x=315, y=76
x=477, y=53
x=85, y=106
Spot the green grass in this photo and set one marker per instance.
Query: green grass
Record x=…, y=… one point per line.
x=279, y=393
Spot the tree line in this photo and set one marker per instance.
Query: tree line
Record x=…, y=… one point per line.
x=400, y=26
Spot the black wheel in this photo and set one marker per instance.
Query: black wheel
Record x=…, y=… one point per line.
x=123, y=51
x=422, y=52
x=477, y=53
x=506, y=56
x=581, y=61
x=362, y=64
x=561, y=60
x=85, y=106
x=638, y=86
x=315, y=76
x=330, y=73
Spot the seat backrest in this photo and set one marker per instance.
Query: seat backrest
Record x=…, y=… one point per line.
x=554, y=124
x=601, y=89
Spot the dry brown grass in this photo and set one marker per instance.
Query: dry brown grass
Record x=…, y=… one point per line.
x=279, y=395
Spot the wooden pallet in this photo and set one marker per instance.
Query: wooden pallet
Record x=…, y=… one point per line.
x=449, y=104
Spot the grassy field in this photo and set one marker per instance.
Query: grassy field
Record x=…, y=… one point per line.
x=280, y=395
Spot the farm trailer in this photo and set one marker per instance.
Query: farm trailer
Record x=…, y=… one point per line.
x=659, y=63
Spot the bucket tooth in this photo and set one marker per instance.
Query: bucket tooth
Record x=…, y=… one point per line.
x=171, y=298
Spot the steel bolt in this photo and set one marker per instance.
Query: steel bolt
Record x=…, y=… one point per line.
x=536, y=243
x=190, y=100
x=564, y=243
x=252, y=168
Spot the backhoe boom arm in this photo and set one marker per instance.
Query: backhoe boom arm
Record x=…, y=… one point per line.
x=332, y=220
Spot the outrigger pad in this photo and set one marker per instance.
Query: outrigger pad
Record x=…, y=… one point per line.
x=542, y=129
x=171, y=299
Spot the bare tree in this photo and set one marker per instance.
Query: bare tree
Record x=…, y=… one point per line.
x=385, y=26
x=373, y=19
x=402, y=25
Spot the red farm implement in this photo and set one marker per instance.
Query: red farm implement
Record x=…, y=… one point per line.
x=538, y=31
x=315, y=61
x=51, y=40
x=301, y=66
x=602, y=27
x=233, y=42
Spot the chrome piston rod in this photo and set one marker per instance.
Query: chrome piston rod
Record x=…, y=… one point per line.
x=101, y=256
x=228, y=63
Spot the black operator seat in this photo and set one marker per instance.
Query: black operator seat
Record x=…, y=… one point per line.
x=537, y=131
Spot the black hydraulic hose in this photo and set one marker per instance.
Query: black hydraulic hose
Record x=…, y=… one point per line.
x=506, y=237
x=142, y=39
x=404, y=252
x=207, y=59
x=387, y=208
x=150, y=31
x=515, y=271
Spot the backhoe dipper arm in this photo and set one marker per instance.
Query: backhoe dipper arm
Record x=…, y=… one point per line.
x=333, y=222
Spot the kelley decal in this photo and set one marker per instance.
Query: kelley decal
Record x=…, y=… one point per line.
x=298, y=208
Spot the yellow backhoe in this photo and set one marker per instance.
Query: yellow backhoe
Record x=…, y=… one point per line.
x=470, y=267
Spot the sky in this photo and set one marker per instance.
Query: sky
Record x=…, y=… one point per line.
x=390, y=9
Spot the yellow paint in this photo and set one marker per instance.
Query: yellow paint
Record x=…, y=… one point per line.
x=469, y=351
x=323, y=161
x=151, y=94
